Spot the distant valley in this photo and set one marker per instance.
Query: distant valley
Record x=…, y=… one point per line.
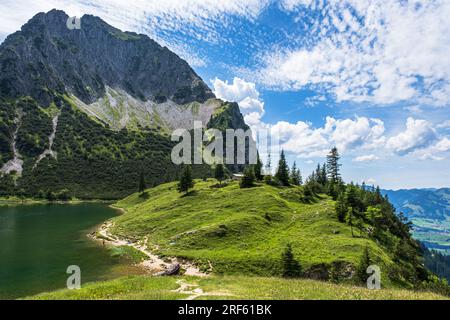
x=429, y=211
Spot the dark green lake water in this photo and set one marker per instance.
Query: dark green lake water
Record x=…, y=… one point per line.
x=39, y=242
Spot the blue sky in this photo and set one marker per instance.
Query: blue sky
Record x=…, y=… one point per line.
x=371, y=77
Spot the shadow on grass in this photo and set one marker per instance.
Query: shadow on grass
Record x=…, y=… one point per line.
x=144, y=195
x=190, y=194
x=219, y=185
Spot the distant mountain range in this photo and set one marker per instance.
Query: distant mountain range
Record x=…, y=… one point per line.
x=421, y=203
x=429, y=211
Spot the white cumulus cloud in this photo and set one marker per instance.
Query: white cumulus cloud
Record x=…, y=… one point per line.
x=245, y=94
x=375, y=51
x=419, y=134
x=349, y=135
x=366, y=158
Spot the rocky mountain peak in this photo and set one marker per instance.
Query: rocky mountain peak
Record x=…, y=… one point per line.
x=47, y=57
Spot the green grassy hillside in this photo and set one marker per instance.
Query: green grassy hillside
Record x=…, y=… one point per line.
x=228, y=287
x=244, y=231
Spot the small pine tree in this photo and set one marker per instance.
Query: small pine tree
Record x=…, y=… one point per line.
x=248, y=180
x=323, y=175
x=186, y=182
x=291, y=267
x=364, y=263
x=219, y=173
x=269, y=165
x=142, y=185
x=349, y=218
x=258, y=169
x=378, y=196
x=341, y=208
x=282, y=174
x=318, y=174
x=296, y=178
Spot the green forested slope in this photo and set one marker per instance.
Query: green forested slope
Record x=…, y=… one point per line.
x=91, y=160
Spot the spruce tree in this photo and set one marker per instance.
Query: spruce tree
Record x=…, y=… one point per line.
x=258, y=169
x=364, y=263
x=291, y=267
x=333, y=166
x=295, y=175
x=378, y=196
x=282, y=174
x=318, y=174
x=269, y=165
x=341, y=207
x=142, y=185
x=219, y=173
x=323, y=175
x=248, y=180
x=186, y=182
x=350, y=219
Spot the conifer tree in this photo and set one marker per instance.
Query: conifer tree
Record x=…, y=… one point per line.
x=318, y=174
x=291, y=267
x=186, y=182
x=341, y=207
x=295, y=175
x=219, y=172
x=323, y=175
x=269, y=164
x=282, y=174
x=142, y=185
x=350, y=219
x=364, y=263
x=258, y=169
x=333, y=166
x=378, y=196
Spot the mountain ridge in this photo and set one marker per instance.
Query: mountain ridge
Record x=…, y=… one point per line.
x=93, y=56
x=423, y=199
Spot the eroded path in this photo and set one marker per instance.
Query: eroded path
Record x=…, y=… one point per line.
x=153, y=264
x=194, y=291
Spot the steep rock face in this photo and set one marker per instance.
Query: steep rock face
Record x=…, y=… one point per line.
x=118, y=109
x=47, y=56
